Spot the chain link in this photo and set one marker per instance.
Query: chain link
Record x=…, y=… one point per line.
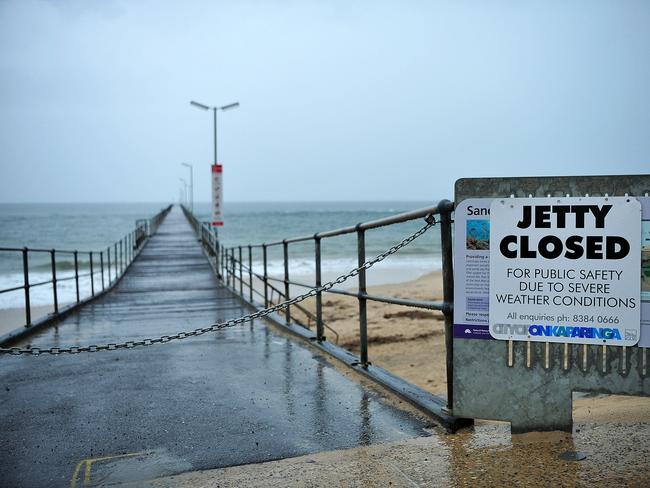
x=36, y=351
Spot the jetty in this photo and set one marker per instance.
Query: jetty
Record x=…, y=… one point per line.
x=240, y=395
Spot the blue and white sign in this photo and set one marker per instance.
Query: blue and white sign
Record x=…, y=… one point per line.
x=565, y=270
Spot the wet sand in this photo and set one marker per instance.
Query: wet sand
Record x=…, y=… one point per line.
x=14, y=318
x=411, y=343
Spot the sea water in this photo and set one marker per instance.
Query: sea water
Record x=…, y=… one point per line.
x=94, y=227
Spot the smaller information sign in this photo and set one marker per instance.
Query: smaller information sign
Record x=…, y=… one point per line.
x=565, y=270
x=217, y=194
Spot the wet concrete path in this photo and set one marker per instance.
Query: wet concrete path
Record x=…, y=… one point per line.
x=238, y=396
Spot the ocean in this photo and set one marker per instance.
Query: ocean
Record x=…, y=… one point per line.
x=93, y=227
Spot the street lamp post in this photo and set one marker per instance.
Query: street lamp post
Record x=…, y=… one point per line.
x=191, y=185
x=214, y=113
x=216, y=169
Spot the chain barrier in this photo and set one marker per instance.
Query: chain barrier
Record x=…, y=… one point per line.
x=36, y=351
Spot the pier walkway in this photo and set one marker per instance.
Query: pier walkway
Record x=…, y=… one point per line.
x=241, y=395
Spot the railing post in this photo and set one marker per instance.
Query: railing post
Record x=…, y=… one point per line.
x=241, y=275
x=363, y=318
x=76, y=274
x=101, y=267
x=222, y=261
x=285, y=249
x=108, y=267
x=266, y=277
x=231, y=268
x=115, y=259
x=446, y=208
x=92, y=275
x=216, y=257
x=55, y=296
x=28, y=308
x=250, y=273
x=320, y=332
x=121, y=255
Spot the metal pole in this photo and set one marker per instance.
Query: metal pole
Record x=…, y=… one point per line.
x=54, y=290
x=214, y=110
x=76, y=274
x=266, y=277
x=28, y=308
x=221, y=263
x=108, y=268
x=250, y=273
x=101, y=265
x=115, y=259
x=285, y=248
x=216, y=257
x=241, y=276
x=363, y=318
x=446, y=208
x=230, y=267
x=320, y=333
x=233, y=273
x=92, y=275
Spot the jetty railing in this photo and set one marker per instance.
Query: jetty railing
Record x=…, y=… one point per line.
x=103, y=268
x=238, y=275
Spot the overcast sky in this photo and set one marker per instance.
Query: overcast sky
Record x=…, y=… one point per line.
x=339, y=100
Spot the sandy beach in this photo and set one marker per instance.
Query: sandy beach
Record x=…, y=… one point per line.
x=410, y=343
x=13, y=318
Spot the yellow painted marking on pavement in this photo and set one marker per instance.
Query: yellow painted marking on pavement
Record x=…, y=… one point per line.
x=89, y=462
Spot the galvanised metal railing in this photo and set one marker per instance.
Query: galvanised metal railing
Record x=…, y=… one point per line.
x=238, y=276
x=106, y=266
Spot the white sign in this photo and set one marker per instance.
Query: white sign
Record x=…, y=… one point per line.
x=565, y=270
x=217, y=194
x=645, y=272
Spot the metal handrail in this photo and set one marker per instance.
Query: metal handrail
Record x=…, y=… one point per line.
x=124, y=252
x=230, y=269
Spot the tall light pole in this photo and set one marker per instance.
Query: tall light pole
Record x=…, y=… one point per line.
x=191, y=185
x=216, y=168
x=184, y=190
x=214, y=113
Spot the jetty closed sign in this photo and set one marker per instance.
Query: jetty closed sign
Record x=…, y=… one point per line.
x=565, y=270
